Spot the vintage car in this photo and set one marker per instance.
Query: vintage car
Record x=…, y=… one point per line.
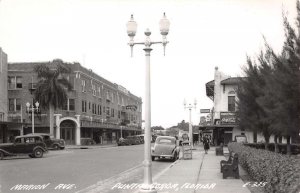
x=165, y=147
x=240, y=139
x=33, y=146
x=123, y=141
x=50, y=141
x=130, y=140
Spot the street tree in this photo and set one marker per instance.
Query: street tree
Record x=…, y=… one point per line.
x=250, y=114
x=51, y=87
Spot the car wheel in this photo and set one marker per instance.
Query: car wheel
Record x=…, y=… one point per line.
x=1, y=155
x=38, y=153
x=153, y=158
x=55, y=147
x=62, y=148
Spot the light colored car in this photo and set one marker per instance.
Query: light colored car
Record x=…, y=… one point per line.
x=165, y=147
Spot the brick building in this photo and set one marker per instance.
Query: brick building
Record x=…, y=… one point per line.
x=96, y=108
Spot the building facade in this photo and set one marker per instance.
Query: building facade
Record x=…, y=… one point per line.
x=96, y=108
x=3, y=95
x=223, y=126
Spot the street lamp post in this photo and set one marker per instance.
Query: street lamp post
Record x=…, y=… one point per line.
x=190, y=106
x=32, y=109
x=164, y=25
x=121, y=131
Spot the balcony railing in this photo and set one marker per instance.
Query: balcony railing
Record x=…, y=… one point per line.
x=87, y=123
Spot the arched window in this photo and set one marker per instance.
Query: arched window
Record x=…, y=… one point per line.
x=231, y=92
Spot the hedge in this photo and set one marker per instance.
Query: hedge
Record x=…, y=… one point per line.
x=295, y=148
x=281, y=172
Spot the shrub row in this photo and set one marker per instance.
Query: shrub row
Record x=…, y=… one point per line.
x=295, y=148
x=281, y=172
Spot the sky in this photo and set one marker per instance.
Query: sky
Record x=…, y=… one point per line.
x=203, y=34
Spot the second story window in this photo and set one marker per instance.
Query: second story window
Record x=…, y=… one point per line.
x=231, y=103
x=94, y=89
x=69, y=105
x=99, y=92
x=83, y=106
x=107, y=111
x=71, y=80
x=99, y=110
x=83, y=85
x=14, y=104
x=1, y=116
x=14, y=82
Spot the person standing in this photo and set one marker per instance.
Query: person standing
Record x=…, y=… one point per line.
x=206, y=144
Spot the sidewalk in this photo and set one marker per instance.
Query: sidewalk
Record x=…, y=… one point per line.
x=201, y=174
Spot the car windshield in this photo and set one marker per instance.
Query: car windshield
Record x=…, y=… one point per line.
x=165, y=141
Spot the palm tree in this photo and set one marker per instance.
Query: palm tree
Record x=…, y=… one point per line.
x=50, y=91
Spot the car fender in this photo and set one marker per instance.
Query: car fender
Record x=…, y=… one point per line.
x=174, y=150
x=56, y=143
x=40, y=147
x=6, y=152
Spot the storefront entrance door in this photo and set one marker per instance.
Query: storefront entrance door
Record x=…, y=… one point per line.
x=67, y=132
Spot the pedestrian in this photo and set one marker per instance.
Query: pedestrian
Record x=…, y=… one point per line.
x=206, y=144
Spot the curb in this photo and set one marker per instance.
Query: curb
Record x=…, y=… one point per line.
x=90, y=147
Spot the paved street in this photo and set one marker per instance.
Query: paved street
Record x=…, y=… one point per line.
x=76, y=170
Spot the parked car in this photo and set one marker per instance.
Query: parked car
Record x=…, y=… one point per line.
x=141, y=137
x=33, y=146
x=50, y=141
x=123, y=141
x=165, y=147
x=240, y=139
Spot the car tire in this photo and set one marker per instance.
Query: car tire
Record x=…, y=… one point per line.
x=1, y=155
x=62, y=148
x=55, y=147
x=153, y=158
x=38, y=153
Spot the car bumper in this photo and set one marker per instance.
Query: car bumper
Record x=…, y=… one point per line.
x=162, y=155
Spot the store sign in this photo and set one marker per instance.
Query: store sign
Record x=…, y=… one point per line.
x=131, y=107
x=204, y=110
x=227, y=118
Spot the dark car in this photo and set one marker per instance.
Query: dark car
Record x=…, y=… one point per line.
x=50, y=141
x=123, y=141
x=165, y=147
x=134, y=140
x=33, y=146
